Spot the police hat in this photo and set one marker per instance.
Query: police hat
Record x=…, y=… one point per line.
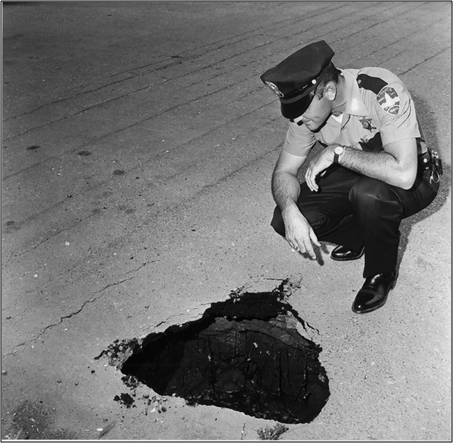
x=293, y=79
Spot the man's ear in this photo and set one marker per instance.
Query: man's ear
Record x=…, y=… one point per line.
x=330, y=91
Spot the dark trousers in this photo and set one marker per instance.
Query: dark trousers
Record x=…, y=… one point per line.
x=353, y=210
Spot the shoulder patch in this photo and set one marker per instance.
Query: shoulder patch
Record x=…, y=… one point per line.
x=374, y=84
x=388, y=99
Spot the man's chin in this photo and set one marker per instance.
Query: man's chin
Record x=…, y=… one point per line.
x=312, y=126
x=315, y=127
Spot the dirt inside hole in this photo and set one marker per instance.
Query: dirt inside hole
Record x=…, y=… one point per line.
x=245, y=354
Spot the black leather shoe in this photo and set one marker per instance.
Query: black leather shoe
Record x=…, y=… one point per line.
x=341, y=253
x=374, y=292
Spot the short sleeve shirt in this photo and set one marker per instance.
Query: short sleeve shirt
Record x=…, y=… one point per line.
x=379, y=110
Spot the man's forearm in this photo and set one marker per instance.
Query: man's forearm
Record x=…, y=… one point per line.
x=298, y=232
x=379, y=165
x=285, y=189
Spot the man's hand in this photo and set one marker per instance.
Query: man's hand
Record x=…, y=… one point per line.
x=299, y=233
x=321, y=162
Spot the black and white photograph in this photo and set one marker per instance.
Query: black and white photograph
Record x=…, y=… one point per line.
x=226, y=220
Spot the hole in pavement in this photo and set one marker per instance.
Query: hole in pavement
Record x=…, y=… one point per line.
x=245, y=354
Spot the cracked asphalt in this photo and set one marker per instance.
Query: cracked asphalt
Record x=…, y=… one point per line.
x=138, y=145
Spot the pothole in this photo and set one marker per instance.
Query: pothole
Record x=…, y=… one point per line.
x=246, y=353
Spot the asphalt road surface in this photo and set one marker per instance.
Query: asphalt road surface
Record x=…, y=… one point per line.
x=138, y=145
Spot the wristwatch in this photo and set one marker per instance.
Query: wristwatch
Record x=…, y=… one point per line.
x=338, y=151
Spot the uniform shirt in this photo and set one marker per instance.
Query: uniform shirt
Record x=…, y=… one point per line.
x=379, y=110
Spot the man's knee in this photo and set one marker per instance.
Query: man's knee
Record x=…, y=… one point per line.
x=368, y=192
x=317, y=221
x=369, y=195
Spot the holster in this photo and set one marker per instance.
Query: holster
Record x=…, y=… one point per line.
x=430, y=161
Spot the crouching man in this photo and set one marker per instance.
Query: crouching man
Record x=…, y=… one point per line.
x=374, y=171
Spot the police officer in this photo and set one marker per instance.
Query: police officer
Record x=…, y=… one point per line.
x=374, y=170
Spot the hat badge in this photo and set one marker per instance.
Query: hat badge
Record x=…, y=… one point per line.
x=275, y=89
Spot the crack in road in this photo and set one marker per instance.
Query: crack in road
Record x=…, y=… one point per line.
x=15, y=117
x=76, y=312
x=425, y=60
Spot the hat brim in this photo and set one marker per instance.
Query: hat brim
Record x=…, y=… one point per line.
x=297, y=106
